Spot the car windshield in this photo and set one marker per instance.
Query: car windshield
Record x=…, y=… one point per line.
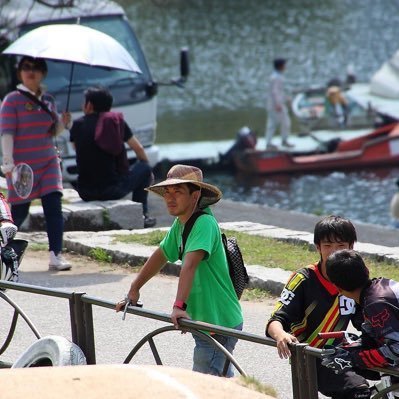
x=58, y=76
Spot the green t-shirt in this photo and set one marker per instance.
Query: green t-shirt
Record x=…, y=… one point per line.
x=212, y=297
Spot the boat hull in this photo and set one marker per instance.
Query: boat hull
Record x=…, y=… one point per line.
x=379, y=148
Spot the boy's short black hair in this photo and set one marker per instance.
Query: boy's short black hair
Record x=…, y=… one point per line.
x=347, y=270
x=335, y=229
x=100, y=98
x=278, y=63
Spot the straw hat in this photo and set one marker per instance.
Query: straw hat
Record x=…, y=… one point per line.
x=179, y=174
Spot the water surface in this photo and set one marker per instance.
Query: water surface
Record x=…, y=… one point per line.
x=232, y=45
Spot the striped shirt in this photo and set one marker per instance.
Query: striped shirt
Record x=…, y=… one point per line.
x=33, y=144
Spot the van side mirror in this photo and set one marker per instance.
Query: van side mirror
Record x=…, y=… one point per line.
x=151, y=89
x=184, y=71
x=184, y=63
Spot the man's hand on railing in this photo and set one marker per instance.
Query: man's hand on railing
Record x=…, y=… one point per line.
x=178, y=314
x=125, y=303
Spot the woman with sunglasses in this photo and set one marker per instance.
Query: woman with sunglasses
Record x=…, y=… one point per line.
x=28, y=124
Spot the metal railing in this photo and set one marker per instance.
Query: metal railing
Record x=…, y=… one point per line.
x=303, y=359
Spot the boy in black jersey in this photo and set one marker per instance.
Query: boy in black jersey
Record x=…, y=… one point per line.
x=310, y=304
x=379, y=301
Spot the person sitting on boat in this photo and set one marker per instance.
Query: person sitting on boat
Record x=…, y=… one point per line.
x=246, y=140
x=337, y=105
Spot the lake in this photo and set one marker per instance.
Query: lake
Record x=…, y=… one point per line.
x=232, y=45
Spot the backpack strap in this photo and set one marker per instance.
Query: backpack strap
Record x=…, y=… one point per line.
x=187, y=229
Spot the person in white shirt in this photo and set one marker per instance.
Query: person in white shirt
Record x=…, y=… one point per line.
x=277, y=111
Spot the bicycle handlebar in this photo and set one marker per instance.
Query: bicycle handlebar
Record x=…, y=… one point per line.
x=138, y=304
x=346, y=336
x=332, y=334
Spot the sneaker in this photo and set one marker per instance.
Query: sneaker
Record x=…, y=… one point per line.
x=149, y=221
x=58, y=263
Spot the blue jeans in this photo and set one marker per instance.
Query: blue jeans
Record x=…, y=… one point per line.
x=210, y=360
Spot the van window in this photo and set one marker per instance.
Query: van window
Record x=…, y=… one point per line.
x=57, y=80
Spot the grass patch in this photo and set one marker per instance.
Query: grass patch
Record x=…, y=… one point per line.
x=152, y=238
x=255, y=295
x=36, y=246
x=253, y=384
x=269, y=252
x=256, y=250
x=100, y=255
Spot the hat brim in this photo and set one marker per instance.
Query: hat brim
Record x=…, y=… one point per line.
x=209, y=194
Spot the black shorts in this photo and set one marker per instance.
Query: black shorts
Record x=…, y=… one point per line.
x=330, y=384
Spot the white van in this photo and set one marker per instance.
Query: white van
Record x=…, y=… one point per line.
x=134, y=95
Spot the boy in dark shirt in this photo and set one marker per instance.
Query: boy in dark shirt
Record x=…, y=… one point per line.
x=378, y=299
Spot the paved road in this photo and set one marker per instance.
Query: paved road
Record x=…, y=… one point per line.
x=115, y=338
x=230, y=211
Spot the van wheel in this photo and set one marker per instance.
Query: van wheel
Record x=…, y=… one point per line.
x=51, y=351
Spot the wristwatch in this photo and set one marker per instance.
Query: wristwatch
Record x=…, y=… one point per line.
x=180, y=305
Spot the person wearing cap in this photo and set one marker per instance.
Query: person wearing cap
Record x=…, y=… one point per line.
x=277, y=111
x=205, y=291
x=337, y=106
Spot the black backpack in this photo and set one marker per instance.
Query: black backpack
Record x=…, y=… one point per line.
x=237, y=269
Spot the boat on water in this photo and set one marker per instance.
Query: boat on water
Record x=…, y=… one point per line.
x=332, y=107
x=382, y=91
x=378, y=148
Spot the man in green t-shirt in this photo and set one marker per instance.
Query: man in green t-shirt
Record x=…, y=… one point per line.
x=205, y=291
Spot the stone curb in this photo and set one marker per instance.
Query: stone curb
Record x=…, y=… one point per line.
x=89, y=216
x=271, y=279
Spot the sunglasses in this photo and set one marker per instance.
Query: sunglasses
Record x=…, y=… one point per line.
x=30, y=67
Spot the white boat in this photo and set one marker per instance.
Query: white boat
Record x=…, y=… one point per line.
x=382, y=92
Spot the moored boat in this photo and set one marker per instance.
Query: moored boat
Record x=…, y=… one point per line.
x=378, y=148
x=331, y=107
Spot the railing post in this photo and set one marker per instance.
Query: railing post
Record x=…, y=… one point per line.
x=311, y=374
x=82, y=326
x=303, y=370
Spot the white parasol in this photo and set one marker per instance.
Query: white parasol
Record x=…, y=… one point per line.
x=76, y=44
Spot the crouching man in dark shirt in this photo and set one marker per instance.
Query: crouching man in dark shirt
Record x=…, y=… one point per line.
x=103, y=169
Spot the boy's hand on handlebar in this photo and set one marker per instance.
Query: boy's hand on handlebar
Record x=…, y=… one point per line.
x=336, y=358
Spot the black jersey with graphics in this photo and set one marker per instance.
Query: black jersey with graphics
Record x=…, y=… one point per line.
x=310, y=304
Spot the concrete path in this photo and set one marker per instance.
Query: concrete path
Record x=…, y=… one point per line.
x=115, y=338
